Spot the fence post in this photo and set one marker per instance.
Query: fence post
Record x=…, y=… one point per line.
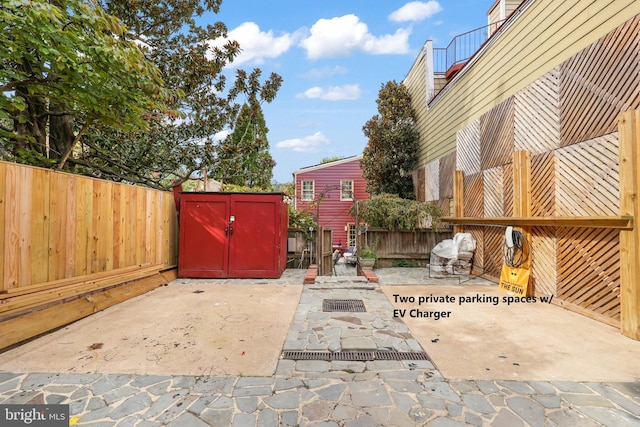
x=629, y=134
x=522, y=200
x=458, y=199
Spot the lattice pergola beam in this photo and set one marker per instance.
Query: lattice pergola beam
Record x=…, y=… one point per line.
x=618, y=222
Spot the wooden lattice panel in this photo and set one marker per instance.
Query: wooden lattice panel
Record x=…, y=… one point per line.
x=543, y=192
x=493, y=192
x=432, y=177
x=493, y=241
x=445, y=207
x=543, y=249
x=496, y=135
x=474, y=195
x=447, y=169
x=468, y=148
x=587, y=179
x=589, y=269
x=507, y=187
x=477, y=232
x=421, y=184
x=537, y=114
x=599, y=83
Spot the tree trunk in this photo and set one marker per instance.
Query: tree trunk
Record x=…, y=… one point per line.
x=61, y=135
x=33, y=129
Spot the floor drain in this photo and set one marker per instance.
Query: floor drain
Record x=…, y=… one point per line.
x=354, y=355
x=351, y=305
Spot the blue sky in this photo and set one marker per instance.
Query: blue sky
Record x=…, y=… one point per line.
x=333, y=56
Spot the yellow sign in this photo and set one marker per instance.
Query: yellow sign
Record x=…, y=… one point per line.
x=514, y=280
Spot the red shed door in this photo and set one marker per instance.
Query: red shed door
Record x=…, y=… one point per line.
x=253, y=247
x=203, y=240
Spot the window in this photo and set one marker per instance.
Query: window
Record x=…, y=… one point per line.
x=346, y=190
x=307, y=190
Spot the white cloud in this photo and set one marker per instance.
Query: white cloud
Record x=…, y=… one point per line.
x=416, y=11
x=307, y=144
x=256, y=45
x=342, y=36
x=332, y=93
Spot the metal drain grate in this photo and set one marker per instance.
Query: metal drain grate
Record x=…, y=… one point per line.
x=401, y=355
x=350, y=305
x=354, y=355
x=326, y=355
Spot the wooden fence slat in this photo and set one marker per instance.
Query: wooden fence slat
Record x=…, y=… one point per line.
x=84, y=232
x=468, y=148
x=40, y=225
x=543, y=269
x=446, y=170
x=589, y=264
x=432, y=181
x=3, y=235
x=496, y=135
x=422, y=184
x=58, y=185
x=587, y=178
x=24, y=245
x=543, y=184
x=473, y=195
x=140, y=215
x=507, y=188
x=72, y=211
x=537, y=115
x=493, y=192
x=629, y=129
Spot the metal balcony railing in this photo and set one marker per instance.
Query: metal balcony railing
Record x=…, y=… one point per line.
x=462, y=47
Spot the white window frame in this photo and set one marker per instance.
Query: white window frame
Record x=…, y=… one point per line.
x=342, y=197
x=302, y=190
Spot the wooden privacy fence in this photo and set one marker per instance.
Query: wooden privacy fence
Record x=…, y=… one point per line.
x=398, y=245
x=589, y=257
x=68, y=243
x=554, y=160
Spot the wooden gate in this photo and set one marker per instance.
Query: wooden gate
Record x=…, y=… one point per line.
x=325, y=251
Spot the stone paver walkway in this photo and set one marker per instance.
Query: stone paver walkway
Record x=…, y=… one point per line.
x=336, y=393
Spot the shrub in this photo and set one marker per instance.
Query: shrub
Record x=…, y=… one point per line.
x=395, y=213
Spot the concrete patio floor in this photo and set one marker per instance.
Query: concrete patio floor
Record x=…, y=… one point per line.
x=208, y=353
x=531, y=341
x=179, y=329
x=193, y=327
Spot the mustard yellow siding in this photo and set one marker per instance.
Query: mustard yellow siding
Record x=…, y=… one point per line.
x=510, y=6
x=546, y=34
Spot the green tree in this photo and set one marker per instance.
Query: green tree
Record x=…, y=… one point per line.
x=64, y=66
x=147, y=98
x=191, y=62
x=243, y=157
x=391, y=152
